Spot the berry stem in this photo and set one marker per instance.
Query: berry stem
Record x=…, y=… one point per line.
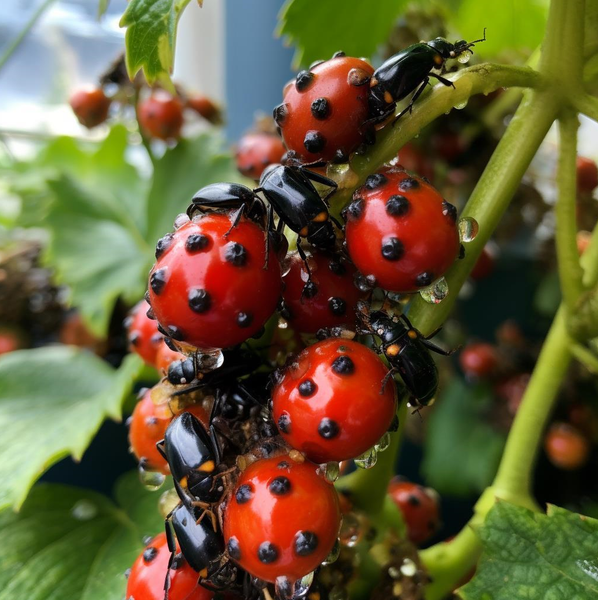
x=570, y=271
x=586, y=105
x=586, y=357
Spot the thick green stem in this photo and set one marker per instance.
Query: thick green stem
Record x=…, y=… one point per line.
x=492, y=196
x=586, y=105
x=570, y=272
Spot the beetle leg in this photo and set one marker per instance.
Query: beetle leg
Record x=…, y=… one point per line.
x=317, y=177
x=303, y=258
x=443, y=80
x=416, y=95
x=434, y=348
x=269, y=227
x=433, y=334
x=335, y=221
x=216, y=444
x=235, y=217
x=390, y=373
x=171, y=542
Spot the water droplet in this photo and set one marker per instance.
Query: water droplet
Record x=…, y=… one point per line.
x=351, y=530
x=408, y=568
x=342, y=173
x=464, y=57
x=435, y=293
x=84, y=510
x=367, y=460
x=181, y=219
x=151, y=480
x=289, y=590
x=334, y=554
x=461, y=105
x=468, y=229
x=364, y=284
x=330, y=471
x=384, y=443
x=394, y=572
x=282, y=323
x=168, y=500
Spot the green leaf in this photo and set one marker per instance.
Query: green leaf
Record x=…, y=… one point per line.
x=151, y=33
x=516, y=25
x=462, y=450
x=52, y=402
x=319, y=28
x=74, y=544
x=183, y=170
x=535, y=556
x=102, y=7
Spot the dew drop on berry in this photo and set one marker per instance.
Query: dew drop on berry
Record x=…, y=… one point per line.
x=334, y=554
x=151, y=480
x=181, y=220
x=461, y=105
x=351, y=530
x=330, y=471
x=293, y=590
x=367, y=460
x=384, y=443
x=464, y=57
x=468, y=229
x=435, y=293
x=168, y=500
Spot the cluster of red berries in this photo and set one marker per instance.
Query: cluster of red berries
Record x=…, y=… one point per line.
x=253, y=450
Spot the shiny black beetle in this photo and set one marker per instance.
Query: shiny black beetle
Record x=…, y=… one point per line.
x=407, y=352
x=409, y=71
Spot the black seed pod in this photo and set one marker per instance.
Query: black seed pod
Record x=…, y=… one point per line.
x=244, y=494
x=337, y=306
x=158, y=280
x=354, y=210
x=449, y=210
x=408, y=184
x=306, y=543
x=343, y=365
x=199, y=300
x=280, y=113
x=149, y=554
x=234, y=550
x=392, y=249
x=314, y=142
x=196, y=242
x=163, y=244
x=328, y=428
x=375, y=181
x=280, y=486
x=303, y=80
x=175, y=333
x=310, y=289
x=320, y=108
x=307, y=388
x=236, y=254
x=267, y=553
x=397, y=206
x=284, y=423
x=244, y=319
x=424, y=279
x=337, y=267
x=413, y=500
x=338, y=54
x=340, y=156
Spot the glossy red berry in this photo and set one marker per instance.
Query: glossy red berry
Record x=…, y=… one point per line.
x=328, y=299
x=148, y=574
x=400, y=231
x=587, y=175
x=255, y=151
x=419, y=506
x=479, y=360
x=142, y=333
x=282, y=519
x=148, y=425
x=212, y=288
x=90, y=106
x=566, y=447
x=330, y=402
x=9, y=342
x=165, y=356
x=512, y=389
x=204, y=107
x=161, y=116
x=323, y=111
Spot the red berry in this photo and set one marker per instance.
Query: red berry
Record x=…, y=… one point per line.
x=282, y=519
x=165, y=356
x=566, y=447
x=419, y=506
x=148, y=425
x=484, y=265
x=204, y=107
x=328, y=300
x=587, y=175
x=161, y=116
x=9, y=342
x=142, y=332
x=324, y=109
x=583, y=241
x=148, y=574
x=330, y=403
x=90, y=106
x=449, y=145
x=400, y=231
x=478, y=360
x=413, y=159
x=511, y=390
x=211, y=290
x=255, y=151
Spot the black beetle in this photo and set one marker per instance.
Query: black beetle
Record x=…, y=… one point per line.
x=410, y=71
x=407, y=352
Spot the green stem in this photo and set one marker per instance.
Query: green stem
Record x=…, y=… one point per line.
x=586, y=105
x=41, y=9
x=367, y=487
x=570, y=271
x=586, y=357
x=492, y=195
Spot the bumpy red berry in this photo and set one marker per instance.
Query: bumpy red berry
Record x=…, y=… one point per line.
x=328, y=299
x=142, y=332
x=148, y=425
x=400, y=231
x=334, y=401
x=148, y=574
x=211, y=287
x=161, y=116
x=165, y=355
x=419, y=506
x=479, y=359
x=323, y=111
x=282, y=519
x=255, y=151
x=566, y=447
x=587, y=175
x=90, y=106
x=204, y=107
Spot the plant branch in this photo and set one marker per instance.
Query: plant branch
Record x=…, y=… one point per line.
x=587, y=105
x=586, y=357
x=570, y=271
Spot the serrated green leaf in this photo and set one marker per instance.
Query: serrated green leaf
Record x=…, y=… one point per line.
x=535, y=556
x=317, y=29
x=183, y=170
x=150, y=38
x=52, y=402
x=462, y=450
x=74, y=544
x=516, y=25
